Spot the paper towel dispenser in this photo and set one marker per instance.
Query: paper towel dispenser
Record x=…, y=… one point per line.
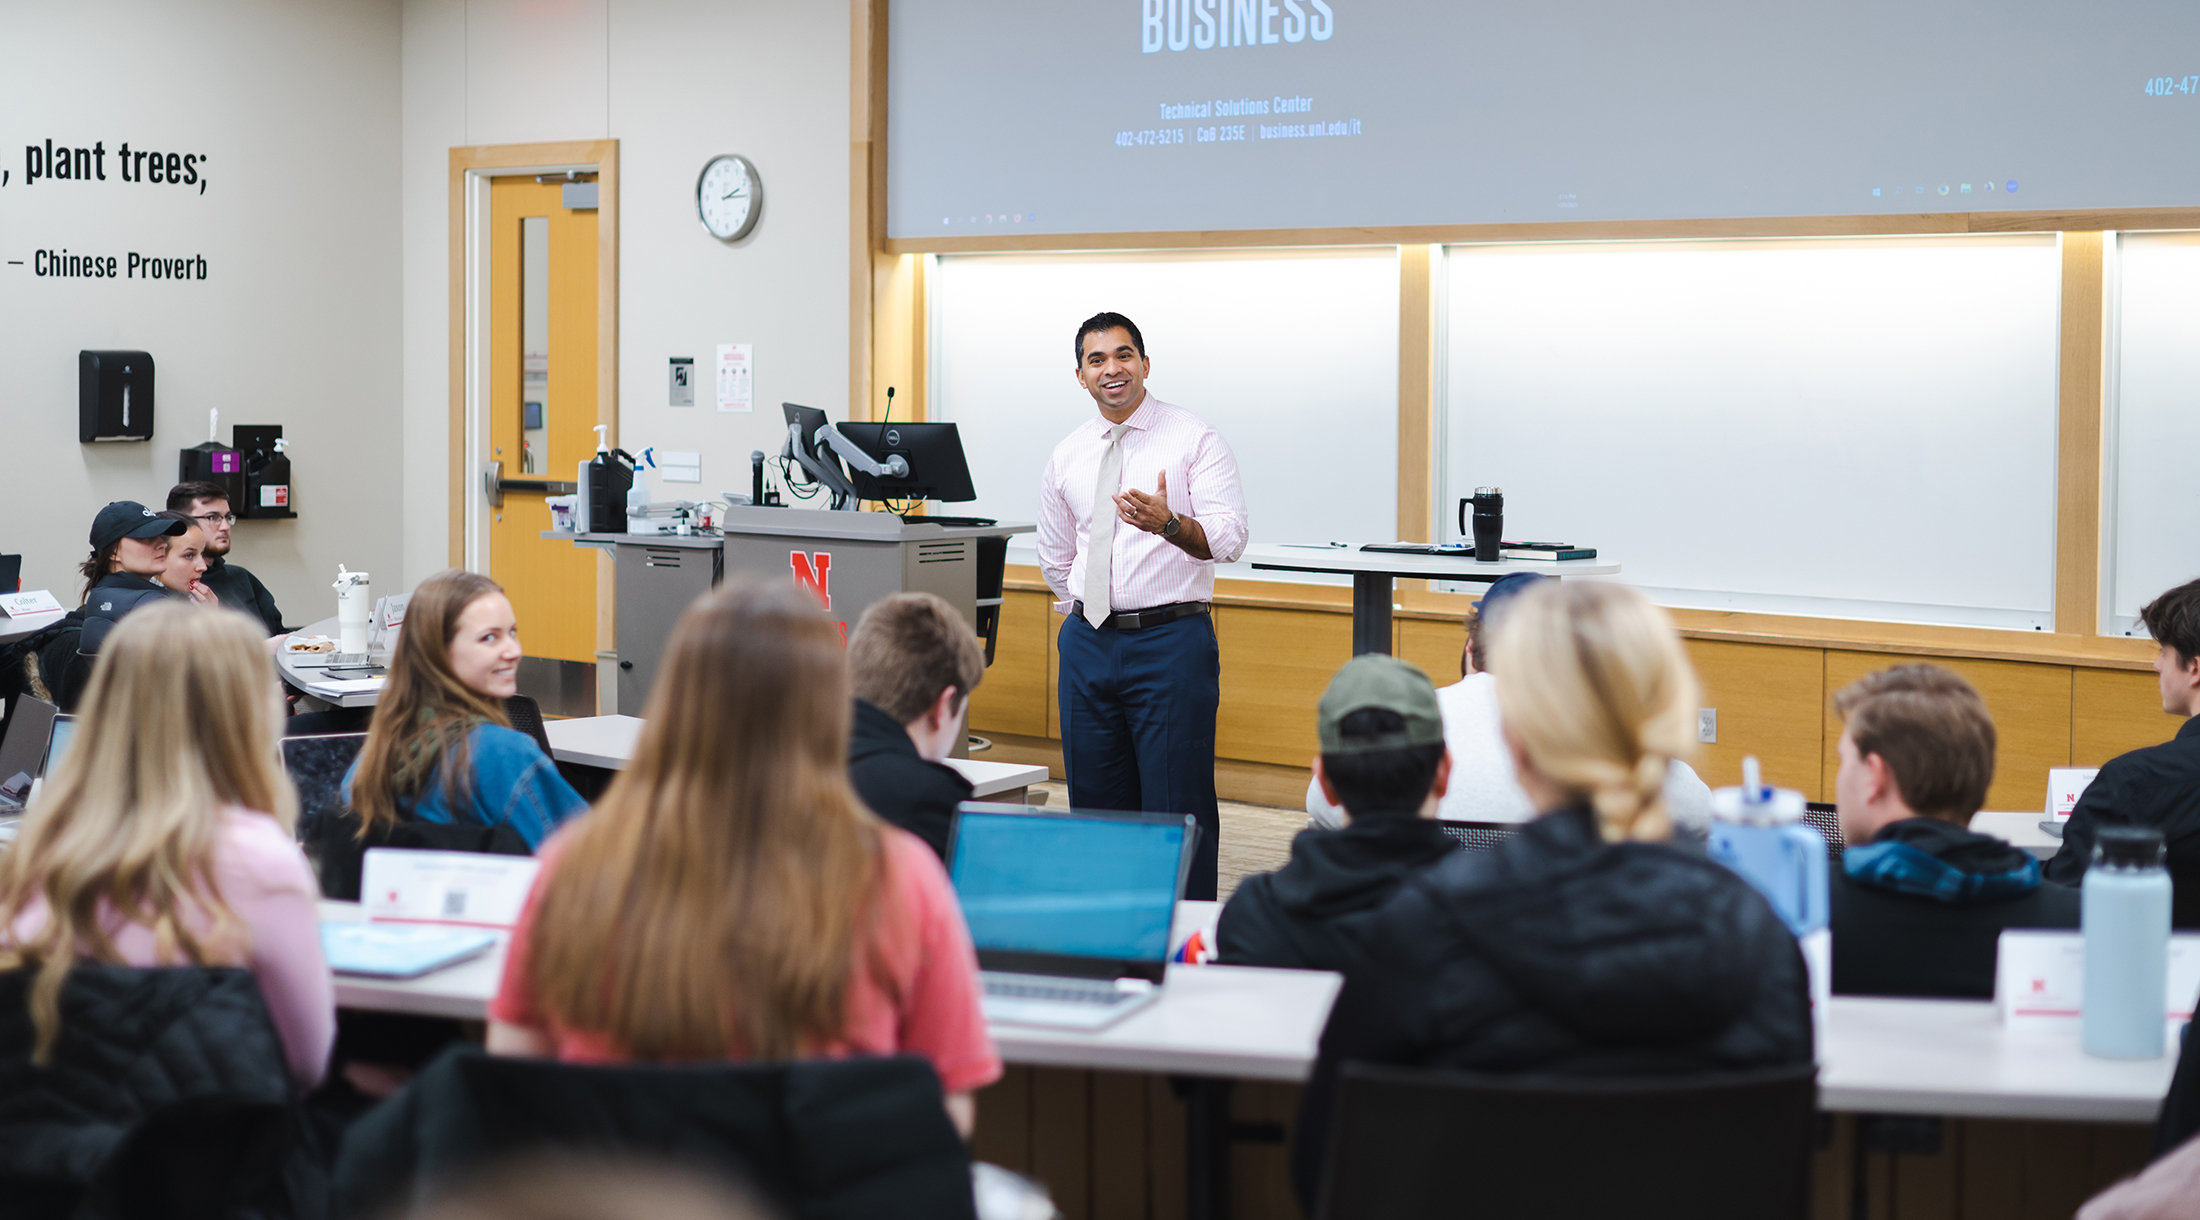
x=114, y=396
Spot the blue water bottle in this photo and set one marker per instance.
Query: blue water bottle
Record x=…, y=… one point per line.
x=1758, y=831
x=2125, y=902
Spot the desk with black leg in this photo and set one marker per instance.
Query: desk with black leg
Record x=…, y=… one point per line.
x=1373, y=572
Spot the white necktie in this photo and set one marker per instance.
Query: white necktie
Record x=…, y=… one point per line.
x=1100, y=533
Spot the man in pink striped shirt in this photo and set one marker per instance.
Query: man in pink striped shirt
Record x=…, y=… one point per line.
x=1135, y=509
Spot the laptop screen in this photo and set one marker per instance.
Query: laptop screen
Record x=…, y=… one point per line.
x=57, y=746
x=1076, y=886
x=23, y=750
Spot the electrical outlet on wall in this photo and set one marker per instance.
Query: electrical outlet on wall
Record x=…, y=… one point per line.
x=1707, y=725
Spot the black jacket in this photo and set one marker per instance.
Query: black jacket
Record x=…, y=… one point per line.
x=2158, y=786
x=898, y=783
x=65, y=660
x=1927, y=922
x=1558, y=953
x=825, y=1139
x=239, y=589
x=1290, y=917
x=170, y=1081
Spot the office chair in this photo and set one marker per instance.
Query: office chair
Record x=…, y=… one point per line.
x=825, y=1139
x=526, y=716
x=1822, y=818
x=1406, y=1143
x=1479, y=836
x=992, y=572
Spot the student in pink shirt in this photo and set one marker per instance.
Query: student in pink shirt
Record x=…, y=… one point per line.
x=730, y=897
x=164, y=838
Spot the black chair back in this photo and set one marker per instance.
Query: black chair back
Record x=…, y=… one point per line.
x=1479, y=836
x=526, y=716
x=825, y=1139
x=1410, y=1143
x=1826, y=821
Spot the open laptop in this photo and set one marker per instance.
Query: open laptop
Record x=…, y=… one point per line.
x=1069, y=910
x=317, y=765
x=23, y=752
x=58, y=739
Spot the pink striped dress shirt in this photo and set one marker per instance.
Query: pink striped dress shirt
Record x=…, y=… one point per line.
x=1145, y=570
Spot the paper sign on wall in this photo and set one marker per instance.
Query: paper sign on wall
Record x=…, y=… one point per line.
x=37, y=601
x=2064, y=786
x=454, y=887
x=2039, y=977
x=736, y=381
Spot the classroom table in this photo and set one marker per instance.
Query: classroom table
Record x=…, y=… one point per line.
x=314, y=681
x=15, y=627
x=2017, y=830
x=609, y=741
x=1373, y=571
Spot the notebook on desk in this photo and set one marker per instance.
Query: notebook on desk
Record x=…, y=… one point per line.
x=1070, y=910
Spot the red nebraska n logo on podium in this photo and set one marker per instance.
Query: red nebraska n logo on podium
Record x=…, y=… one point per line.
x=815, y=573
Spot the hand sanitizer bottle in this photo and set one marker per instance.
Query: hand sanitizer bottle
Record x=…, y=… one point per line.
x=1758, y=831
x=2125, y=904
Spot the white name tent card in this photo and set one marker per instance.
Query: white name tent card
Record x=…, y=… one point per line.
x=449, y=887
x=37, y=601
x=2064, y=786
x=2039, y=977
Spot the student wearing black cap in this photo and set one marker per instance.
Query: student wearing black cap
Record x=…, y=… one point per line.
x=129, y=550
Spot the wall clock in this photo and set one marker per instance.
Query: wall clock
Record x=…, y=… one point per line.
x=728, y=197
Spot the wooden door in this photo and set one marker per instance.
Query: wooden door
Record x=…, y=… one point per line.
x=542, y=405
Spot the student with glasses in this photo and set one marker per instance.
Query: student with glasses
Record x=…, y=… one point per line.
x=237, y=588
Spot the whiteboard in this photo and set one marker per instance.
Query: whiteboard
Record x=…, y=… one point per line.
x=2152, y=509
x=1852, y=428
x=1293, y=356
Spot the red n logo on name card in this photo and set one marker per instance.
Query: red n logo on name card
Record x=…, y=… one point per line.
x=815, y=573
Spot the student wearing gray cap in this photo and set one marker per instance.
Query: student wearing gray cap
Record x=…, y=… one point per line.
x=1482, y=787
x=1383, y=760
x=129, y=549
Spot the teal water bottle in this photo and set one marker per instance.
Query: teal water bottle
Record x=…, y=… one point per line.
x=2126, y=903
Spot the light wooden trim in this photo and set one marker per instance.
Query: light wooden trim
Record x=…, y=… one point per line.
x=2079, y=442
x=2125, y=219
x=492, y=159
x=1417, y=341
x=866, y=191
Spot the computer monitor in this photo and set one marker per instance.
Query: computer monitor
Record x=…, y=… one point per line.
x=802, y=426
x=1091, y=891
x=937, y=467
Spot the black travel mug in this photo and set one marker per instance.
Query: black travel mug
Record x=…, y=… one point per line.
x=1488, y=504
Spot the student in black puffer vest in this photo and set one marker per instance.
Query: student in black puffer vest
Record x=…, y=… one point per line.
x=1919, y=901
x=129, y=551
x=1585, y=944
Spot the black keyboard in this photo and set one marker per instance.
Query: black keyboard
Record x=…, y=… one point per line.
x=952, y=523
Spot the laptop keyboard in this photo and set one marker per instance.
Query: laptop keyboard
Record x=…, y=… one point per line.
x=1101, y=992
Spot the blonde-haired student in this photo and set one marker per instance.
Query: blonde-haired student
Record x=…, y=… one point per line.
x=1585, y=943
x=730, y=897
x=164, y=837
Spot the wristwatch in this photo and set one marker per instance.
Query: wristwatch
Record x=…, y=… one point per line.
x=1173, y=528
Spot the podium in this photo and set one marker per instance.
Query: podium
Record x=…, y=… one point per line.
x=849, y=560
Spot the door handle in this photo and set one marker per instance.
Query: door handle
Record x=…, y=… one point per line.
x=494, y=484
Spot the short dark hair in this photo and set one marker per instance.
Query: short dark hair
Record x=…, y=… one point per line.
x=181, y=496
x=1381, y=781
x=1933, y=730
x=1103, y=322
x=910, y=647
x=2173, y=619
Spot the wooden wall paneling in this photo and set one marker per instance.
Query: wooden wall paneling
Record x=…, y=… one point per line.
x=1925, y=1186
x=2057, y=1160
x=867, y=34
x=899, y=347
x=1830, y=1172
x=1165, y=1132
x=1771, y=702
x=1061, y=1137
x=2078, y=437
x=2114, y=711
x=1013, y=697
x=2118, y=1151
x=1119, y=1145
x=1432, y=644
x=1003, y=1132
x=2030, y=704
x=1275, y=664
x=1991, y=1181
x=1260, y=1172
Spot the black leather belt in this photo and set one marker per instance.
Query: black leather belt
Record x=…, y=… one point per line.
x=1151, y=616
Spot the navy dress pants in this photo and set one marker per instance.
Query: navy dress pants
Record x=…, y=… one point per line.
x=1138, y=725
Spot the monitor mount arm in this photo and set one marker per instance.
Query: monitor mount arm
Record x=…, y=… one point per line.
x=826, y=471
x=894, y=467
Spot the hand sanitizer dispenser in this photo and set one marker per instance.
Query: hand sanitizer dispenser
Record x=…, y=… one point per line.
x=1758, y=831
x=605, y=480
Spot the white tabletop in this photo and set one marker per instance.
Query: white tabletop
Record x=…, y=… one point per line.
x=314, y=680
x=1954, y=1057
x=461, y=992
x=609, y=741
x=2017, y=830
x=1350, y=559
x=15, y=627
